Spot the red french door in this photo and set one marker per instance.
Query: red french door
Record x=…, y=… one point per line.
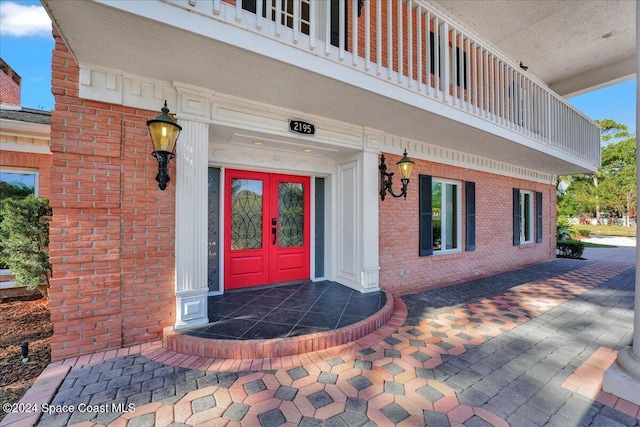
x=267, y=228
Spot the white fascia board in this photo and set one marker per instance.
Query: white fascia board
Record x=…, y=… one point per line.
x=25, y=129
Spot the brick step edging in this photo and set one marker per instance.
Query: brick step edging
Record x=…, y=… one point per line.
x=276, y=347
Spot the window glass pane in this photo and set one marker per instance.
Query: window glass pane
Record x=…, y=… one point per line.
x=528, y=213
x=451, y=242
x=246, y=214
x=523, y=218
x=526, y=219
x=290, y=215
x=17, y=184
x=436, y=200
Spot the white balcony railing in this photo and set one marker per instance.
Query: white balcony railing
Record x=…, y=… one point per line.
x=431, y=56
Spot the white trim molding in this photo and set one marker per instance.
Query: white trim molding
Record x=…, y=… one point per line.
x=24, y=137
x=191, y=102
x=443, y=155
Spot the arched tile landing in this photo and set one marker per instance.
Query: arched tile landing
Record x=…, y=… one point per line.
x=219, y=348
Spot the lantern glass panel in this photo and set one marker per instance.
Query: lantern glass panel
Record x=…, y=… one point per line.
x=164, y=136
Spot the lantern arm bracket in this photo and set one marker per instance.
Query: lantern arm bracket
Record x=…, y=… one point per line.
x=163, y=158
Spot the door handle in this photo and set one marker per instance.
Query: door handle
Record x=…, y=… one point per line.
x=274, y=222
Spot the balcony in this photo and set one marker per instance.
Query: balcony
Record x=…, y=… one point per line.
x=400, y=66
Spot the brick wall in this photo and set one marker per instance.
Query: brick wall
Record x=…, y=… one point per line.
x=112, y=232
x=494, y=231
x=41, y=162
x=10, y=92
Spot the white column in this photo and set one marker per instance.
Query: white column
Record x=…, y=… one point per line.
x=191, y=224
x=623, y=378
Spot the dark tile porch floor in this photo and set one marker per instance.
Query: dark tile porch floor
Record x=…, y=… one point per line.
x=285, y=311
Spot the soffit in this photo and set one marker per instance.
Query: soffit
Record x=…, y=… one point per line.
x=593, y=42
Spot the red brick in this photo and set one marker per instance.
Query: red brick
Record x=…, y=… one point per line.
x=96, y=156
x=494, y=241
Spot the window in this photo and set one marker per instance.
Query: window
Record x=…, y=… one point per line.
x=457, y=64
x=526, y=217
x=525, y=224
x=440, y=215
x=16, y=182
x=285, y=14
x=304, y=25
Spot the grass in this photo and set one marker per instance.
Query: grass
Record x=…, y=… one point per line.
x=596, y=245
x=607, y=230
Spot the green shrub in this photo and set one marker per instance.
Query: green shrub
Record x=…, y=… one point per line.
x=24, y=238
x=569, y=249
x=583, y=232
x=563, y=228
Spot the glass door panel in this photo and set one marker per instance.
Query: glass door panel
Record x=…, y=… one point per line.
x=246, y=214
x=290, y=215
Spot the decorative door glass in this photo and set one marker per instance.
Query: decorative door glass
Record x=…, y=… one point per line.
x=246, y=214
x=290, y=214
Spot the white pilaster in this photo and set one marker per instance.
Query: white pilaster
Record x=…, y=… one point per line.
x=370, y=280
x=622, y=379
x=191, y=224
x=348, y=232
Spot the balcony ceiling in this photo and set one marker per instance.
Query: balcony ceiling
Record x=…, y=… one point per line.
x=574, y=46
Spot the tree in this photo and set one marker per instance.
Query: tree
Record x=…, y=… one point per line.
x=612, y=131
x=619, y=178
x=578, y=195
x=612, y=188
x=24, y=237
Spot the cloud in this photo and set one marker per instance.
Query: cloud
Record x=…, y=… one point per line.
x=23, y=21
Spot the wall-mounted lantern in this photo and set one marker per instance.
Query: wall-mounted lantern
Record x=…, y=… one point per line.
x=405, y=165
x=164, y=133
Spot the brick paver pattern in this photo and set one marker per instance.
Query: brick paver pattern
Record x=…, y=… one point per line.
x=493, y=351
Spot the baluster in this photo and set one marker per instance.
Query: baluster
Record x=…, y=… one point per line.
x=468, y=77
x=278, y=17
x=367, y=36
x=490, y=86
x=429, y=58
x=419, y=56
x=454, y=65
x=436, y=57
x=327, y=29
x=400, y=42
x=342, y=21
x=460, y=69
x=259, y=18
x=296, y=20
x=501, y=91
x=389, y=40
x=410, y=41
x=312, y=25
x=354, y=31
x=238, y=11
x=379, y=36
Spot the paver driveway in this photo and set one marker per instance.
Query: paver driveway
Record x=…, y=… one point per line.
x=522, y=348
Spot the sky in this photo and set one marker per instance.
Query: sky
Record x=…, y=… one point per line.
x=26, y=45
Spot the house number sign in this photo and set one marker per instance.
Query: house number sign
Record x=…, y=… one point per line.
x=298, y=126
